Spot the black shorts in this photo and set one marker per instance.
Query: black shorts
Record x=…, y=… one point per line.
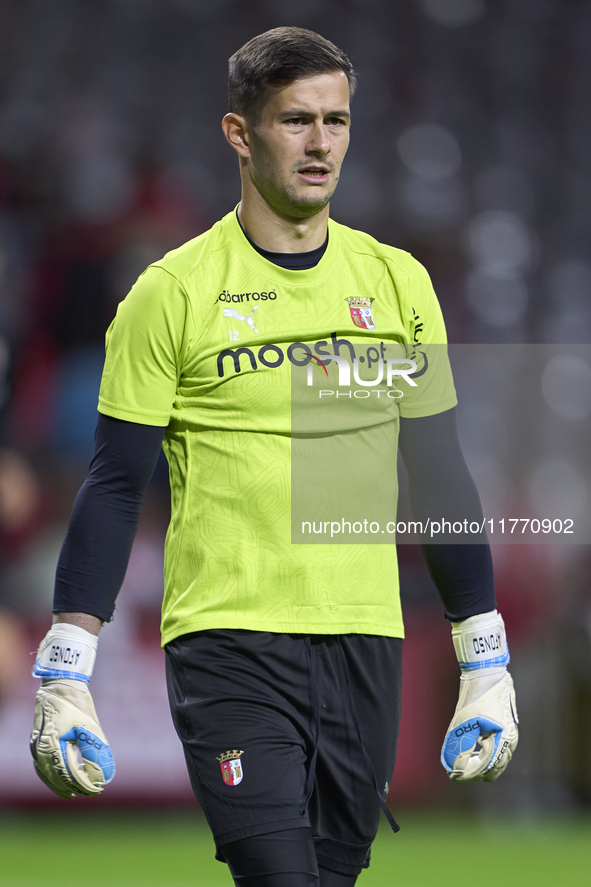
x=251, y=708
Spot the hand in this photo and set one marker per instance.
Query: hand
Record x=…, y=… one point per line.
x=483, y=733
x=70, y=750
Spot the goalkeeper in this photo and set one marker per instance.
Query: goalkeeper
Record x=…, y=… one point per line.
x=283, y=661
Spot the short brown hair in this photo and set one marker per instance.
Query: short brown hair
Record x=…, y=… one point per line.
x=277, y=58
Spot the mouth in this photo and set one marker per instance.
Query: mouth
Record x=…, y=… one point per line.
x=316, y=175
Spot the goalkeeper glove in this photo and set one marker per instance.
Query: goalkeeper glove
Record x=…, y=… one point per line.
x=483, y=733
x=70, y=750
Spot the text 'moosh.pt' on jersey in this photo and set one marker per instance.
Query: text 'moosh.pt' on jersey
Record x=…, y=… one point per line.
x=204, y=345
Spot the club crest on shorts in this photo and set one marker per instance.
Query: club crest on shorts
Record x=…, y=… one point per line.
x=231, y=766
x=361, y=313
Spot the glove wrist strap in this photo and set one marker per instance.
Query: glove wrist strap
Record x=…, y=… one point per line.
x=66, y=651
x=480, y=643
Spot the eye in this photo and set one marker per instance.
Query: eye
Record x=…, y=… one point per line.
x=295, y=121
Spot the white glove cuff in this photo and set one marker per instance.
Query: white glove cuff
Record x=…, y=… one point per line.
x=480, y=642
x=66, y=651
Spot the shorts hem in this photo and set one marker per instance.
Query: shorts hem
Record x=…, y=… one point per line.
x=252, y=831
x=342, y=858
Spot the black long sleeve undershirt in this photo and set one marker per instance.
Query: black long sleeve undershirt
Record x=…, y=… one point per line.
x=104, y=519
x=440, y=484
x=95, y=553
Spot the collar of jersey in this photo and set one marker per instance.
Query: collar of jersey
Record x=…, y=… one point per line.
x=299, y=277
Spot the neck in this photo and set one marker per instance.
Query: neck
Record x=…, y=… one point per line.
x=276, y=233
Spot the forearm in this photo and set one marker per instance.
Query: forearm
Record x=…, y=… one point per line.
x=82, y=620
x=95, y=553
x=440, y=486
x=463, y=576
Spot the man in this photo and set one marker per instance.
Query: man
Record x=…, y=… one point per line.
x=283, y=661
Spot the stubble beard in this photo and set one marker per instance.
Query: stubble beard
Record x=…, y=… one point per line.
x=288, y=201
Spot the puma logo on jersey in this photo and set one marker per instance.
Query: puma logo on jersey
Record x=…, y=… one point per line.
x=230, y=312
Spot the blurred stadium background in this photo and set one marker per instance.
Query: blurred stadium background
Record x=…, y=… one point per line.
x=471, y=149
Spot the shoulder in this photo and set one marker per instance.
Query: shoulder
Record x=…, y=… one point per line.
x=184, y=261
x=365, y=247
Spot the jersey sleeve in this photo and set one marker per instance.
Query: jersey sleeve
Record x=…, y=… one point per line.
x=145, y=346
x=434, y=391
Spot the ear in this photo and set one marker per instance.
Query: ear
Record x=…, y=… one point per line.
x=237, y=133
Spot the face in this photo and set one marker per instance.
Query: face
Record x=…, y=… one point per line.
x=297, y=147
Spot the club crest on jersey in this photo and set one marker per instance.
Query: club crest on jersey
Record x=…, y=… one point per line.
x=361, y=313
x=231, y=766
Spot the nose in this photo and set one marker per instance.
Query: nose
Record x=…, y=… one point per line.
x=319, y=144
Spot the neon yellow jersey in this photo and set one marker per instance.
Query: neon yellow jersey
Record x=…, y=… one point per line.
x=205, y=345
